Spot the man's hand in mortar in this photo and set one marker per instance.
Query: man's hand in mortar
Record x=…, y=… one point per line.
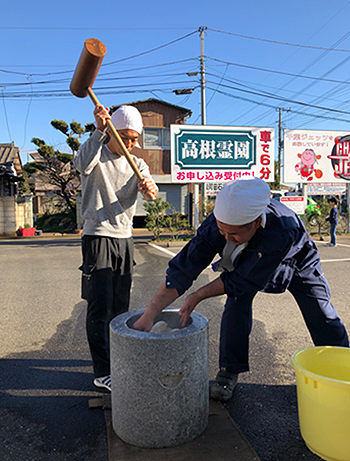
x=190, y=304
x=162, y=299
x=144, y=323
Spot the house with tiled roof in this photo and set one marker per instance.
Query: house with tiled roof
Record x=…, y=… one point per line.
x=10, y=169
x=15, y=210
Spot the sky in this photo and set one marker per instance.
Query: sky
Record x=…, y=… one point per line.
x=259, y=57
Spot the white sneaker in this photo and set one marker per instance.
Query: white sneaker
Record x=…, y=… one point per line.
x=331, y=244
x=103, y=381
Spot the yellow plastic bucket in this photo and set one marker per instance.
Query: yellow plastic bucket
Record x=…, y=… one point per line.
x=323, y=389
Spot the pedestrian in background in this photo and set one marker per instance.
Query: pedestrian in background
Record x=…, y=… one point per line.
x=333, y=221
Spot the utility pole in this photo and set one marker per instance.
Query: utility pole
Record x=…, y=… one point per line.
x=203, y=121
x=279, y=142
x=196, y=210
x=201, y=32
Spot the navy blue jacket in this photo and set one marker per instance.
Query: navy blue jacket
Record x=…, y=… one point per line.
x=333, y=216
x=268, y=263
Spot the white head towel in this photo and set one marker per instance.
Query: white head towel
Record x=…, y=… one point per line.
x=127, y=118
x=242, y=201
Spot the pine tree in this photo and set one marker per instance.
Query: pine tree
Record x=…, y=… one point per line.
x=55, y=167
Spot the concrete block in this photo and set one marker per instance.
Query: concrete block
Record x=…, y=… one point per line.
x=160, y=381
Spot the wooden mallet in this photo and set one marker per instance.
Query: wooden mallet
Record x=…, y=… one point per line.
x=81, y=85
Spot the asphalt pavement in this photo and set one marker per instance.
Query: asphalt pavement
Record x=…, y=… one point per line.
x=46, y=374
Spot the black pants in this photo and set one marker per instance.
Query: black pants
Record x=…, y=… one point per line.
x=106, y=283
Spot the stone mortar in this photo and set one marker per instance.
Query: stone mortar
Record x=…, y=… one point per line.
x=160, y=381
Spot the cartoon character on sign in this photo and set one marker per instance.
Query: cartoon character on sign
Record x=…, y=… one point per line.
x=306, y=167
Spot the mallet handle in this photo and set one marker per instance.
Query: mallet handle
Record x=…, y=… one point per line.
x=84, y=76
x=116, y=136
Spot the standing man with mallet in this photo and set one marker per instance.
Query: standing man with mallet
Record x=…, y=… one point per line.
x=110, y=180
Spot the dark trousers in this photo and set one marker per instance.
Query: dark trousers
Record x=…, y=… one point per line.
x=333, y=234
x=311, y=291
x=106, y=283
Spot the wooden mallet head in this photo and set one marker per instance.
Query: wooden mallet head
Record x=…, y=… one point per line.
x=81, y=85
x=88, y=67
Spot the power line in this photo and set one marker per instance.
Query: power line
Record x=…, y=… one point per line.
x=285, y=100
x=93, y=28
x=65, y=80
x=150, y=51
x=112, y=62
x=318, y=98
x=154, y=66
x=5, y=111
x=319, y=58
x=240, y=83
x=98, y=90
x=298, y=45
x=276, y=42
x=227, y=63
x=222, y=78
x=277, y=71
x=261, y=103
x=166, y=87
x=26, y=119
x=170, y=85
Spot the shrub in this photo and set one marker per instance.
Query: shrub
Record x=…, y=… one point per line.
x=58, y=222
x=176, y=224
x=155, y=219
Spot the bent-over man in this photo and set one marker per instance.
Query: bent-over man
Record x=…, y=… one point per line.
x=264, y=247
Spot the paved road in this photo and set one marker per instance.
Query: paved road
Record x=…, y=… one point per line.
x=46, y=374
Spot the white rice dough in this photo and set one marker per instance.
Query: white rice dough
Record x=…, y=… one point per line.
x=161, y=327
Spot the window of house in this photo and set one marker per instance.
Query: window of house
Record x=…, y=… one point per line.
x=156, y=138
